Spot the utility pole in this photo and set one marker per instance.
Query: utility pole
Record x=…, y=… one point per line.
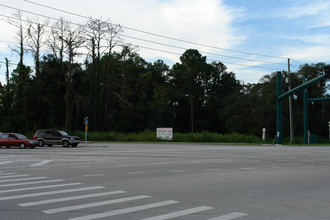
x=290, y=106
x=7, y=74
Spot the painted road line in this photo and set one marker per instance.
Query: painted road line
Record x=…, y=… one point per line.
x=22, y=179
x=80, y=166
x=11, y=176
x=30, y=183
x=230, y=216
x=94, y=204
x=124, y=211
x=176, y=171
x=247, y=168
x=180, y=213
x=41, y=163
x=50, y=193
x=133, y=173
x=39, y=187
x=92, y=175
x=6, y=162
x=4, y=174
x=214, y=169
x=64, y=199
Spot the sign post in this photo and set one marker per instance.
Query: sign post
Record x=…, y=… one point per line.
x=263, y=134
x=86, y=128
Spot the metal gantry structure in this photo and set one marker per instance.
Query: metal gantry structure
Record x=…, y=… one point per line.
x=280, y=97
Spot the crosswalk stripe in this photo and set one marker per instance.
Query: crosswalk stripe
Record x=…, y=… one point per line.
x=4, y=174
x=30, y=183
x=22, y=179
x=48, y=201
x=41, y=163
x=11, y=176
x=230, y=216
x=6, y=162
x=50, y=193
x=39, y=187
x=124, y=211
x=94, y=204
x=179, y=213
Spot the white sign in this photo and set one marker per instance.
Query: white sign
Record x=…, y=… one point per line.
x=165, y=133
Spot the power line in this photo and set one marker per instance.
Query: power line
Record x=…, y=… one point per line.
x=215, y=54
x=160, y=44
x=246, y=59
x=157, y=35
x=259, y=67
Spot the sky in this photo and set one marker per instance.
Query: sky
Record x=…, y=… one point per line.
x=251, y=37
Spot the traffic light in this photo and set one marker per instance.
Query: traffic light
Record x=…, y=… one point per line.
x=327, y=71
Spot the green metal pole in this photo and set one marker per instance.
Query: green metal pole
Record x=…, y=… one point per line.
x=304, y=85
x=319, y=99
x=305, y=115
x=278, y=108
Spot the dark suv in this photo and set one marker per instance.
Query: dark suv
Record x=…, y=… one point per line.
x=56, y=137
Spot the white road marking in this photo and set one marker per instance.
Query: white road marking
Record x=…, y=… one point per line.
x=6, y=162
x=80, y=166
x=11, y=176
x=132, y=173
x=179, y=213
x=50, y=193
x=13, y=180
x=30, y=183
x=4, y=174
x=176, y=171
x=230, y=216
x=93, y=175
x=277, y=167
x=95, y=204
x=41, y=163
x=214, y=169
x=247, y=168
x=124, y=211
x=39, y=187
x=48, y=201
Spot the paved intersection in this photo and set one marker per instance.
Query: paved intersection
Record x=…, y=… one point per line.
x=165, y=181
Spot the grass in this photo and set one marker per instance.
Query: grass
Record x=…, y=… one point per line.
x=150, y=136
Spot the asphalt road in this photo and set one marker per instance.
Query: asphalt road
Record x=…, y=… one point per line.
x=165, y=181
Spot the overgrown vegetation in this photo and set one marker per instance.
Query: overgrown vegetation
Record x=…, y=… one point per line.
x=123, y=93
x=150, y=136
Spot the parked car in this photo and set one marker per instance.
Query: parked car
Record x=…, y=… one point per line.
x=55, y=137
x=15, y=139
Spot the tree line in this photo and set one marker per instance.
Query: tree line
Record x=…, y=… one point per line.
x=89, y=71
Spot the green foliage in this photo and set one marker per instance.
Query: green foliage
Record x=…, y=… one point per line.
x=150, y=136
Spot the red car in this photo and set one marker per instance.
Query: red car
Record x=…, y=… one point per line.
x=19, y=140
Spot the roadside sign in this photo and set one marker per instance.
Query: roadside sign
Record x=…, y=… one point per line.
x=165, y=134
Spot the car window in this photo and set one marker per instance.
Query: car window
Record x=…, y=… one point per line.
x=11, y=136
x=4, y=136
x=48, y=132
x=63, y=133
x=56, y=133
x=20, y=136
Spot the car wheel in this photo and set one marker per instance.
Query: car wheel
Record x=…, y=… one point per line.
x=22, y=145
x=41, y=143
x=65, y=143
